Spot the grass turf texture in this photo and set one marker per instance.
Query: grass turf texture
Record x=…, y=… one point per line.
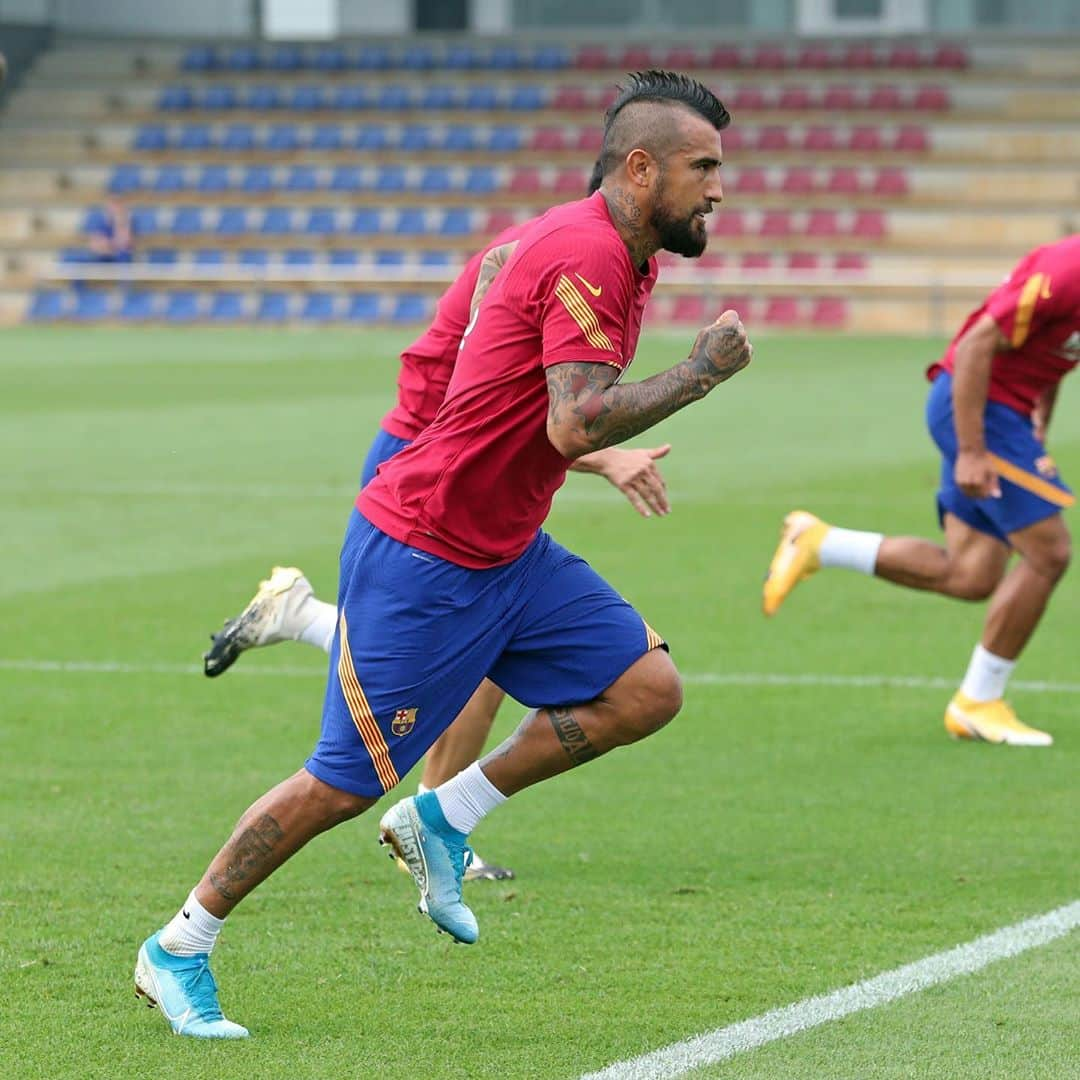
x=772, y=843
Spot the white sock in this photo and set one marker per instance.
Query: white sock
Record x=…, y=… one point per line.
x=320, y=631
x=467, y=798
x=192, y=930
x=986, y=676
x=850, y=549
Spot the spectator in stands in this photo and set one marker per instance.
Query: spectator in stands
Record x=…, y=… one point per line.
x=112, y=239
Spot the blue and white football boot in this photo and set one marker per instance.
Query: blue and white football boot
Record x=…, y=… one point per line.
x=183, y=988
x=436, y=855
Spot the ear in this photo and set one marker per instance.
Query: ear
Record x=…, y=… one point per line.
x=640, y=167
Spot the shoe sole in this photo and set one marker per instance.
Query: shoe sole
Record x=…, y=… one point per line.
x=780, y=566
x=961, y=729
x=145, y=983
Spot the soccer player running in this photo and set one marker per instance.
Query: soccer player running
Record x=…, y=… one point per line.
x=285, y=607
x=446, y=576
x=991, y=399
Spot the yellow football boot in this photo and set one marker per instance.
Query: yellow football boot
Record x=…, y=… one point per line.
x=796, y=557
x=990, y=721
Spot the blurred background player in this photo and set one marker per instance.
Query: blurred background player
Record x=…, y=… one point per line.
x=285, y=608
x=111, y=238
x=990, y=403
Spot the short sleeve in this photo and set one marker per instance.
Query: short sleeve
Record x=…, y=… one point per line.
x=1033, y=295
x=585, y=305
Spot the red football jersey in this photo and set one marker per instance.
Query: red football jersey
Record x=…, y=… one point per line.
x=427, y=363
x=477, y=483
x=1038, y=309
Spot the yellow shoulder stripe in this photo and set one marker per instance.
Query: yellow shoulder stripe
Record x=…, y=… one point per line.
x=1029, y=296
x=579, y=310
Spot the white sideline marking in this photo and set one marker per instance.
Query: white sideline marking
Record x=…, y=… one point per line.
x=706, y=678
x=724, y=1043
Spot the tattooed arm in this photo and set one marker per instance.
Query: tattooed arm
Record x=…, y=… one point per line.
x=587, y=410
x=490, y=265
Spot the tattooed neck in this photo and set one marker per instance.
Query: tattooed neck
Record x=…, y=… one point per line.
x=626, y=214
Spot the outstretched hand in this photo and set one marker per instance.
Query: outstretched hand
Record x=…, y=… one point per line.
x=635, y=474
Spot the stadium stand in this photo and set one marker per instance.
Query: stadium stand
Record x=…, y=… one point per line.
x=871, y=185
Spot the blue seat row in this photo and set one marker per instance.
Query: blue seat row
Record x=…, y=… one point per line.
x=456, y=57
x=289, y=137
x=129, y=179
x=284, y=220
x=260, y=258
x=219, y=97
x=227, y=305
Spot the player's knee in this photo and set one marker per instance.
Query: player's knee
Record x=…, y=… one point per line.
x=974, y=587
x=1053, y=559
x=656, y=695
x=335, y=804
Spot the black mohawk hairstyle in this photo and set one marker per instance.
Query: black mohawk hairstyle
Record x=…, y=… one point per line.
x=669, y=86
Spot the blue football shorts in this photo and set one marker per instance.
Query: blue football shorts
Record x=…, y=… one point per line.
x=1031, y=489
x=383, y=448
x=416, y=635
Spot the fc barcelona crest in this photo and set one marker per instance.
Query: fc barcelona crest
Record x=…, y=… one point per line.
x=403, y=721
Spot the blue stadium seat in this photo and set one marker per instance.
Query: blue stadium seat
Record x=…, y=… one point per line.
x=181, y=306
x=255, y=257
x=436, y=179
x=74, y=255
x=416, y=137
x=238, y=137
x=302, y=178
x=244, y=58
x=459, y=137
x=326, y=137
x=195, y=137
x=482, y=97
x=393, y=257
x=273, y=307
x=232, y=221
x=371, y=137
x=209, y=257
x=187, y=220
x=287, y=58
x=418, y=58
x=257, y=179
x=318, y=307
x=227, y=306
x=481, y=180
x=365, y=221
x=159, y=256
x=299, y=257
x=411, y=221
x=435, y=258
x=390, y=178
x=283, y=137
x=214, y=178
x=307, y=98
x=344, y=257
x=350, y=96
x=219, y=97
x=137, y=305
x=528, y=98
x=321, y=221
x=550, y=58
x=125, y=179
x=504, y=138
x=346, y=178
x=175, y=98
x=363, y=307
x=457, y=221
x=277, y=221
x=47, y=305
x=199, y=58
x=262, y=98
x=151, y=137
x=171, y=178
x=410, y=307
x=394, y=96
x=505, y=58
x=463, y=58
x=439, y=97
x=373, y=58
x=144, y=220
x=330, y=58
x=93, y=220
x=91, y=305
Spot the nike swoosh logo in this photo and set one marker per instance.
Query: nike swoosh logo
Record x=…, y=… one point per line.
x=186, y=914
x=596, y=291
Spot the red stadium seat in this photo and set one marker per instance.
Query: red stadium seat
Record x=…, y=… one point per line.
x=843, y=181
x=751, y=181
x=840, y=99
x=866, y=140
x=681, y=58
x=725, y=57
x=712, y=260
x=736, y=139
x=688, y=309
x=570, y=97
x=770, y=58
x=798, y=181
x=749, y=99
x=815, y=58
x=931, y=98
x=737, y=302
x=820, y=139
x=727, y=223
x=822, y=223
x=774, y=138
x=850, y=262
x=589, y=139
x=776, y=223
x=548, y=139
x=828, y=312
x=593, y=58
x=636, y=58
x=859, y=56
x=607, y=96
x=885, y=98
x=782, y=311
x=890, y=182
x=498, y=220
x=524, y=181
x=795, y=97
x=803, y=260
x=905, y=57
x=869, y=224
x=912, y=139
x=756, y=260
x=571, y=182
x=950, y=57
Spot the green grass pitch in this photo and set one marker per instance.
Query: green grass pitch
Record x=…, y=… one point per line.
x=774, y=842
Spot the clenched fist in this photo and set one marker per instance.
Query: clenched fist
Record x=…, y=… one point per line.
x=721, y=350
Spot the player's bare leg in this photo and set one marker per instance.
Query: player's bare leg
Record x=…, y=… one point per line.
x=429, y=832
